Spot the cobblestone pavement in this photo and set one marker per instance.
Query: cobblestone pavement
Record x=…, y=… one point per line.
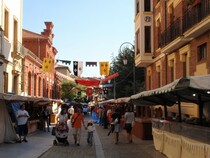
x=104, y=147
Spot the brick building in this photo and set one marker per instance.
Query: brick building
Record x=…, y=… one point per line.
x=172, y=40
x=40, y=46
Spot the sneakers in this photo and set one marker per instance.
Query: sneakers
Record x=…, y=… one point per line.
x=19, y=141
x=25, y=140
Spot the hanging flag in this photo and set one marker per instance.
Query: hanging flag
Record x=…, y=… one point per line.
x=88, y=82
x=80, y=68
x=110, y=77
x=89, y=91
x=75, y=68
x=47, y=65
x=64, y=61
x=104, y=68
x=91, y=64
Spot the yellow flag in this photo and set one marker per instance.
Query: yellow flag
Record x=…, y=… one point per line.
x=104, y=68
x=47, y=65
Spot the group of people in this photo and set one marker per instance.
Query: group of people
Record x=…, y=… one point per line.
x=77, y=121
x=112, y=117
x=129, y=119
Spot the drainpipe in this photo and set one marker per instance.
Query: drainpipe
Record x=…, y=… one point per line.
x=166, y=61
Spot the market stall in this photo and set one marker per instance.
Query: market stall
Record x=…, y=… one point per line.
x=173, y=138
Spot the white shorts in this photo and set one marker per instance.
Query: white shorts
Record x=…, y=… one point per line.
x=76, y=131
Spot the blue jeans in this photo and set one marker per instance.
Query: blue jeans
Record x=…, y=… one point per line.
x=90, y=138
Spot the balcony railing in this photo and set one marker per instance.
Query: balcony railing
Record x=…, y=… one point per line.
x=191, y=17
x=18, y=49
x=171, y=33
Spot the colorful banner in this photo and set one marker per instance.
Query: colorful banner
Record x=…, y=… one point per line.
x=104, y=68
x=88, y=82
x=47, y=65
x=110, y=77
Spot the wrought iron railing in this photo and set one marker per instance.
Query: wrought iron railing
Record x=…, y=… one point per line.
x=191, y=17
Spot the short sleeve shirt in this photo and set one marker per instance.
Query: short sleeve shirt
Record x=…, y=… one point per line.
x=78, y=121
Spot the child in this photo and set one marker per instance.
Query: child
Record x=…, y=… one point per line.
x=91, y=129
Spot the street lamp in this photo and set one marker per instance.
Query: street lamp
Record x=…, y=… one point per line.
x=125, y=46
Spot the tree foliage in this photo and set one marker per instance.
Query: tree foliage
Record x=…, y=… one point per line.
x=70, y=91
x=125, y=81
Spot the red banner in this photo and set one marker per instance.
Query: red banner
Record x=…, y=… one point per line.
x=89, y=91
x=88, y=82
x=110, y=77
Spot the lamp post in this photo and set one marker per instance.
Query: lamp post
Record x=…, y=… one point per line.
x=125, y=61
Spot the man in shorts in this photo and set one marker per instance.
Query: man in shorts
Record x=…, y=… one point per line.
x=77, y=120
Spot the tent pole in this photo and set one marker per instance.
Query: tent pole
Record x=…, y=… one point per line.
x=165, y=111
x=200, y=106
x=179, y=109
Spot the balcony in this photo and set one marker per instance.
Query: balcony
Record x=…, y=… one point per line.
x=18, y=51
x=193, y=23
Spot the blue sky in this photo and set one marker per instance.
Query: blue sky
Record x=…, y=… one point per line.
x=85, y=30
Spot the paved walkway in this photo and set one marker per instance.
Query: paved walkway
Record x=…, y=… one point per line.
x=40, y=145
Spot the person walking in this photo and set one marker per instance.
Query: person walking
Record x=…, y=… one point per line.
x=116, y=117
x=77, y=120
x=129, y=119
x=62, y=116
x=90, y=129
x=22, y=121
x=45, y=118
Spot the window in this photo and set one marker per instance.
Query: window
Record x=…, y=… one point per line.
x=15, y=38
x=137, y=7
x=202, y=52
x=29, y=84
x=5, y=82
x=147, y=39
x=137, y=43
x=172, y=70
x=171, y=14
x=150, y=82
x=147, y=6
x=185, y=65
x=35, y=85
x=6, y=23
x=159, y=79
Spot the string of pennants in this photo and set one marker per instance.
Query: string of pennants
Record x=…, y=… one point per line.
x=48, y=64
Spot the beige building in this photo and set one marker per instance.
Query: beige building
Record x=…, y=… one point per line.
x=172, y=40
x=11, y=54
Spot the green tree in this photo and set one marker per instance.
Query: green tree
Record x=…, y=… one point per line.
x=70, y=91
x=125, y=81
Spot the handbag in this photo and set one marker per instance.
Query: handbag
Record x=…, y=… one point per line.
x=53, y=131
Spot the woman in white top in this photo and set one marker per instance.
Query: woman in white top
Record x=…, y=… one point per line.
x=129, y=119
x=62, y=116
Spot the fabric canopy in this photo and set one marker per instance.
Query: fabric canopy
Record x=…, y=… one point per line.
x=194, y=89
x=88, y=82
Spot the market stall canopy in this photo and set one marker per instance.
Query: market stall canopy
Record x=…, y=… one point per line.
x=122, y=100
x=12, y=97
x=194, y=89
x=19, y=98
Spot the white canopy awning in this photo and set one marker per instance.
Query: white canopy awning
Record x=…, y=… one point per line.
x=193, y=89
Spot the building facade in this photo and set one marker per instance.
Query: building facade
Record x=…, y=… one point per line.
x=39, y=46
x=172, y=40
x=11, y=49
